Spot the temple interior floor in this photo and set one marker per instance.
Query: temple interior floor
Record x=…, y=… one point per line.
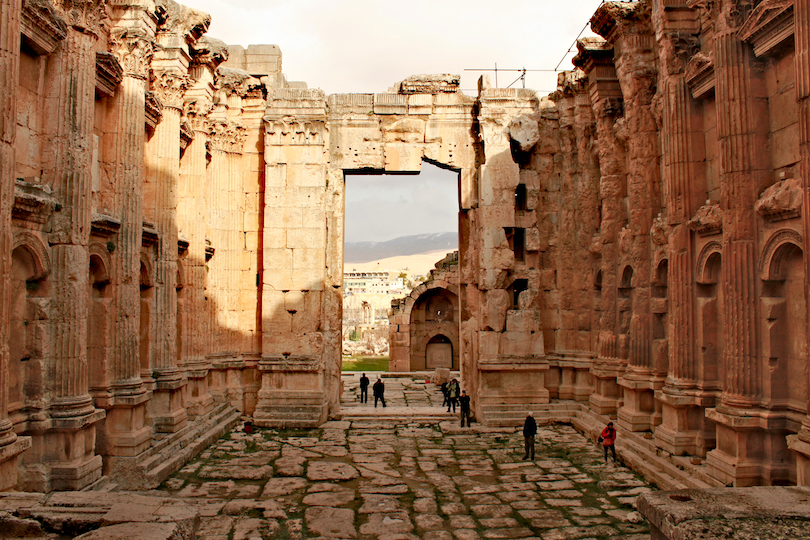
x=395, y=479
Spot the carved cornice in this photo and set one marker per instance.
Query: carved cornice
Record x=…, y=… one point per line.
x=109, y=73
x=105, y=226
x=134, y=50
x=295, y=131
x=592, y=51
x=700, y=75
x=210, y=52
x=153, y=109
x=708, y=220
x=83, y=15
x=613, y=17
x=32, y=201
x=226, y=137
x=149, y=234
x=170, y=87
x=770, y=24
x=42, y=28
x=237, y=81
x=174, y=18
x=783, y=200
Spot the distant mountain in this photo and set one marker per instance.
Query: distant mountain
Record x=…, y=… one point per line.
x=361, y=252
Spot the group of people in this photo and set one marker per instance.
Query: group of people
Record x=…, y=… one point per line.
x=378, y=390
x=452, y=397
x=607, y=438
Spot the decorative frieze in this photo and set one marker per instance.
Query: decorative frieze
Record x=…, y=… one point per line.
x=109, y=74
x=83, y=15
x=295, y=132
x=430, y=84
x=42, y=27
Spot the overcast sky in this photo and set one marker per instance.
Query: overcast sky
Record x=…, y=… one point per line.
x=367, y=46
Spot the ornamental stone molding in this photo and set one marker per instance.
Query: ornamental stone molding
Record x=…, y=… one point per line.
x=295, y=131
x=703, y=273
x=236, y=81
x=170, y=87
x=783, y=200
x=770, y=25
x=42, y=27
x=153, y=109
x=109, y=73
x=430, y=84
x=769, y=262
x=134, y=49
x=39, y=251
x=708, y=220
x=659, y=233
x=678, y=48
x=196, y=111
x=210, y=52
x=700, y=75
x=83, y=15
x=226, y=136
x=178, y=19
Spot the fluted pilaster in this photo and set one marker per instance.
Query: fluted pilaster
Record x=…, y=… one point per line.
x=738, y=116
x=9, y=80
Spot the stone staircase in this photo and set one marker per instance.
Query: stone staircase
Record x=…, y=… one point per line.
x=169, y=452
x=398, y=414
x=510, y=415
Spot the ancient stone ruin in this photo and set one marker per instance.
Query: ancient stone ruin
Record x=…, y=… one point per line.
x=631, y=246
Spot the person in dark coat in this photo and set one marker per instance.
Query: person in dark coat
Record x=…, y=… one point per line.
x=379, y=392
x=608, y=440
x=529, y=431
x=445, y=394
x=364, y=389
x=464, y=403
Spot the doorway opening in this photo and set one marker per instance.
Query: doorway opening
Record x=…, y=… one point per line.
x=397, y=227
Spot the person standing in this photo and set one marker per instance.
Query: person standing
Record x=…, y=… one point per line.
x=608, y=440
x=464, y=404
x=364, y=389
x=452, y=393
x=529, y=431
x=379, y=392
x=445, y=394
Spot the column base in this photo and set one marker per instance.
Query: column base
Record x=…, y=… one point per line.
x=9, y=454
x=125, y=430
x=198, y=400
x=640, y=411
x=166, y=411
x=800, y=446
x=606, y=398
x=62, y=455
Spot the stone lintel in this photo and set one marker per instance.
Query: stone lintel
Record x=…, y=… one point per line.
x=761, y=513
x=104, y=225
x=770, y=25
x=42, y=28
x=109, y=73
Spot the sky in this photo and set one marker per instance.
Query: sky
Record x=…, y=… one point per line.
x=367, y=46
x=383, y=207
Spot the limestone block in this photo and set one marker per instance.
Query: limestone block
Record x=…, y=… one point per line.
x=137, y=531
x=312, y=238
x=351, y=103
x=496, y=303
x=469, y=192
x=400, y=157
x=533, y=240
x=523, y=320
x=497, y=216
x=525, y=131
x=440, y=375
x=390, y=104
x=488, y=343
x=306, y=175
x=277, y=258
x=420, y=104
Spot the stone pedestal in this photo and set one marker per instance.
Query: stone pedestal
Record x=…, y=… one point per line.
x=640, y=411
x=684, y=427
x=607, y=396
x=291, y=394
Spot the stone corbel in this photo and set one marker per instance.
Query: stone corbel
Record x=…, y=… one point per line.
x=104, y=226
x=109, y=74
x=700, y=75
x=770, y=25
x=781, y=201
x=153, y=110
x=42, y=28
x=708, y=220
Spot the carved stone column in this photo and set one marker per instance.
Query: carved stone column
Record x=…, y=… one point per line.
x=166, y=407
x=63, y=456
x=10, y=445
x=595, y=58
x=741, y=120
x=126, y=431
x=683, y=429
x=800, y=444
x=628, y=29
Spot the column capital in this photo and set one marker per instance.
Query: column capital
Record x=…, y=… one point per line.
x=170, y=86
x=227, y=136
x=196, y=111
x=133, y=49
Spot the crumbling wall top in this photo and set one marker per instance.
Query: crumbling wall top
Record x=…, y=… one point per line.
x=429, y=84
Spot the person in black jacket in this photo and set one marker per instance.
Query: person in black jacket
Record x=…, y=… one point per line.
x=529, y=431
x=464, y=402
x=379, y=392
x=364, y=389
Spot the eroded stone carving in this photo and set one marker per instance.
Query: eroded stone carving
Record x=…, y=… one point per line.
x=783, y=200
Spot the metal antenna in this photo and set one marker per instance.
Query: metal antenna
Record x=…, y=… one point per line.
x=521, y=77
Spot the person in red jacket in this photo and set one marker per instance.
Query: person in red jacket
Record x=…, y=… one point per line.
x=608, y=440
